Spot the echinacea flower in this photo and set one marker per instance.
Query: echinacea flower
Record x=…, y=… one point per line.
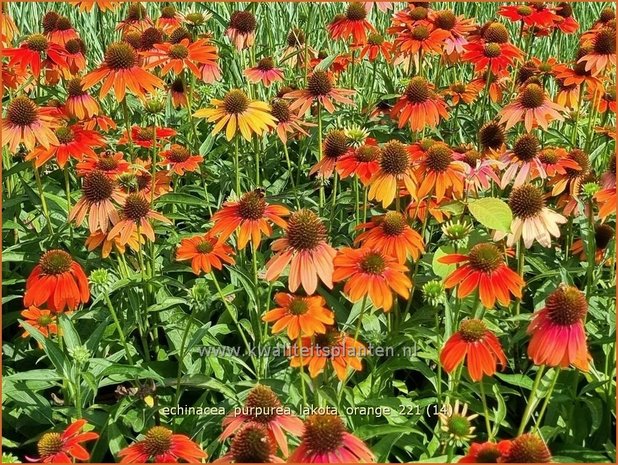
x=475, y=346
x=241, y=29
x=479, y=170
x=300, y=315
x=34, y=54
x=492, y=52
x=179, y=159
x=161, y=444
x=305, y=249
x=180, y=56
x=136, y=20
x=65, y=447
x=532, y=107
x=522, y=162
x=111, y=163
x=555, y=161
x=419, y=106
x=607, y=200
x=528, y=14
x=263, y=407
x=437, y=170
x=362, y=161
x=557, y=332
x=251, y=215
x=565, y=20
x=576, y=75
x=458, y=28
x=120, y=71
x=456, y=424
x=572, y=177
x=532, y=219
x=395, y=169
x=169, y=20
x=492, y=137
x=62, y=31
x=135, y=216
x=28, y=124
x=336, y=347
x=80, y=104
x=264, y=72
x=486, y=452
x=326, y=440
x=205, y=252
x=287, y=121
x=392, y=235
x=352, y=25
x=376, y=46
x=57, y=281
x=96, y=203
x=320, y=89
x=372, y=273
x=146, y=136
x=421, y=39
x=483, y=268
x=603, y=52
x=251, y=444
x=88, y=5
x=237, y=112
x=463, y=93
x=42, y=320
x=527, y=448
x=335, y=145
x=603, y=234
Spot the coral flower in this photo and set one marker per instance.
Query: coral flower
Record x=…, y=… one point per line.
x=486, y=452
x=458, y=28
x=573, y=176
x=100, y=239
x=353, y=25
x=603, y=52
x=251, y=444
x=205, y=252
x=183, y=55
x=558, y=336
x=326, y=440
x=483, y=268
x=251, y=215
x=335, y=145
x=577, y=75
x=532, y=219
x=555, y=161
x=135, y=216
x=421, y=39
x=463, y=93
x=88, y=5
x=42, y=320
x=287, y=122
x=264, y=407
x=376, y=46
x=65, y=447
x=58, y=281
x=476, y=346
x=146, y=136
x=480, y=170
x=305, y=249
x=73, y=142
x=96, y=203
x=527, y=448
x=604, y=100
x=160, y=444
x=300, y=315
x=320, y=89
x=533, y=107
x=522, y=162
x=108, y=162
x=607, y=200
x=603, y=234
x=362, y=161
x=36, y=53
x=28, y=124
x=179, y=91
x=8, y=29
x=62, y=32
x=80, y=104
x=241, y=29
x=565, y=20
x=419, y=106
x=137, y=19
x=395, y=168
x=493, y=51
x=370, y=272
x=169, y=20
x=236, y=112
x=392, y=235
x=528, y=14
x=439, y=171
x=264, y=72
x=179, y=160
x=341, y=350
x=429, y=206
x=120, y=71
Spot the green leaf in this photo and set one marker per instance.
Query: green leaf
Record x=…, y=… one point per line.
x=442, y=269
x=492, y=213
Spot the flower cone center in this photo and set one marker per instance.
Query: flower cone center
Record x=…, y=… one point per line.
x=417, y=90
x=206, y=246
x=323, y=433
x=496, y=32
x=566, y=305
x=22, y=111
x=178, y=154
x=445, y=20
x=319, y=83
x=356, y=12
x=158, y=440
x=97, y=186
x=152, y=36
x=373, y=263
x=305, y=230
x=492, y=50
x=532, y=96
x=235, y=102
x=394, y=159
x=485, y=257
x=178, y=52
x=582, y=159
x=55, y=262
x=472, y=330
x=526, y=201
x=492, y=136
x=136, y=207
x=296, y=37
x=335, y=144
x=528, y=448
x=605, y=42
x=420, y=32
x=367, y=153
x=252, y=206
x=252, y=445
x=280, y=109
x=526, y=147
x=37, y=43
x=49, y=444
x=120, y=56
x=298, y=306
x=393, y=224
x=266, y=64
x=262, y=399
x=243, y=21
x=439, y=157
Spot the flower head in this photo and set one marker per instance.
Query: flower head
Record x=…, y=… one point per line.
x=161, y=444
x=65, y=447
x=300, y=315
x=205, y=252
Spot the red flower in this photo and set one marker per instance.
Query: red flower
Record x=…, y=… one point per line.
x=64, y=447
x=160, y=444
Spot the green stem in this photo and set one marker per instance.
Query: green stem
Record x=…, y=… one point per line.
x=547, y=397
x=121, y=334
x=486, y=411
x=127, y=123
x=39, y=186
x=360, y=318
x=531, y=401
x=237, y=165
x=302, y=369
x=321, y=204
x=181, y=357
x=520, y=270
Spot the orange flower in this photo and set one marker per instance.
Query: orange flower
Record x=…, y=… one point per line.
x=458, y=28
x=564, y=18
x=577, y=76
x=73, y=142
x=335, y=145
x=607, y=201
x=160, y=444
x=362, y=161
x=392, y=235
x=602, y=53
x=420, y=39
x=341, y=350
x=137, y=19
x=251, y=214
x=376, y=46
x=120, y=70
x=146, y=136
x=483, y=269
x=528, y=14
x=264, y=72
x=28, y=124
x=180, y=160
x=58, y=281
x=302, y=316
x=169, y=20
x=439, y=170
x=351, y=25
x=135, y=216
x=42, y=320
x=492, y=51
x=61, y=31
x=205, y=252
x=370, y=272
x=241, y=29
x=419, y=106
x=251, y=444
x=466, y=93
x=182, y=55
x=236, y=112
x=111, y=163
x=305, y=249
x=36, y=53
x=287, y=122
x=428, y=206
x=100, y=239
x=558, y=335
x=395, y=168
x=320, y=89
x=88, y=5
x=477, y=346
x=80, y=104
x=533, y=107
x=179, y=91
x=65, y=447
